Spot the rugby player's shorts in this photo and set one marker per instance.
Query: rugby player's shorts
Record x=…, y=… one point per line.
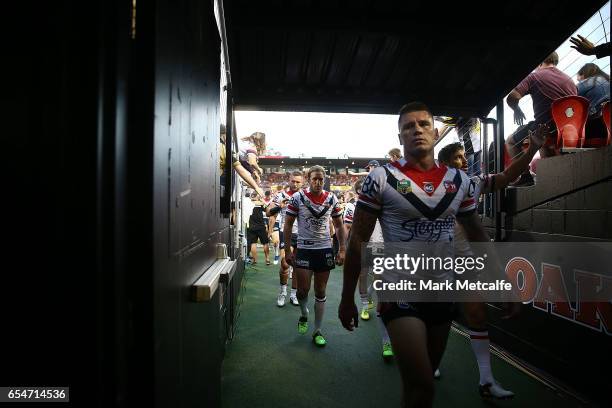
x=317, y=260
x=431, y=313
x=281, y=238
x=276, y=227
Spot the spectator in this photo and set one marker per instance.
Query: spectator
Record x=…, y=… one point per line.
x=395, y=154
x=249, y=156
x=237, y=165
x=545, y=84
x=584, y=46
x=594, y=84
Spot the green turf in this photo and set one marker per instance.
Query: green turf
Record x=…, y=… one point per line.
x=269, y=364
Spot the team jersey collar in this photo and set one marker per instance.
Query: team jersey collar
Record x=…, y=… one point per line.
x=404, y=167
x=320, y=199
x=427, y=180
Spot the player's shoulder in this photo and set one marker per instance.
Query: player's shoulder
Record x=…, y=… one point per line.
x=380, y=172
x=453, y=172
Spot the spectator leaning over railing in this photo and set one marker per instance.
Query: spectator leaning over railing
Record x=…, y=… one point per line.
x=236, y=164
x=545, y=84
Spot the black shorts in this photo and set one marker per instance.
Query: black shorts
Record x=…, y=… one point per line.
x=431, y=313
x=317, y=260
x=276, y=227
x=281, y=238
x=254, y=234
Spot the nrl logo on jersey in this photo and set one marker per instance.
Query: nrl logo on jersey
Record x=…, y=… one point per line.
x=404, y=187
x=450, y=187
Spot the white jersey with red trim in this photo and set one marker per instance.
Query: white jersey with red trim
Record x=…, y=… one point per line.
x=349, y=212
x=313, y=214
x=414, y=205
x=279, y=198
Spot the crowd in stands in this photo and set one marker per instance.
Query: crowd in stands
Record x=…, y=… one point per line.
x=269, y=180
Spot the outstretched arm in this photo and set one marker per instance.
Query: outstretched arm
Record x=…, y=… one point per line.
x=584, y=46
x=518, y=166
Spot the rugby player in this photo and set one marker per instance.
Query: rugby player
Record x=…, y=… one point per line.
x=453, y=155
x=276, y=212
x=274, y=229
x=313, y=208
x=406, y=196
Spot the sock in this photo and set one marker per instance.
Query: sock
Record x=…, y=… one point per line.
x=480, y=344
x=370, y=291
x=284, y=289
x=304, y=306
x=319, y=310
x=364, y=300
x=383, y=331
x=290, y=272
x=276, y=251
x=293, y=292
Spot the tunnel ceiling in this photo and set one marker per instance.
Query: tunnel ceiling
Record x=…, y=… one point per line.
x=374, y=55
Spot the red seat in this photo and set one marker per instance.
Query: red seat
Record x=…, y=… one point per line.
x=570, y=114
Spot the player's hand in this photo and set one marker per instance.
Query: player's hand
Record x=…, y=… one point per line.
x=340, y=257
x=348, y=314
x=582, y=45
x=519, y=116
x=289, y=255
x=511, y=309
x=537, y=137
